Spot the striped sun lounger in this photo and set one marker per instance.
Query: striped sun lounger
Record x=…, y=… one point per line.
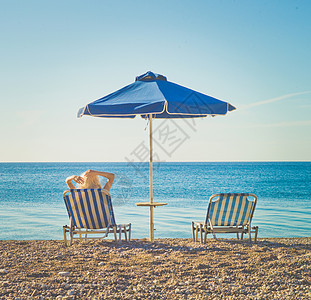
x=227, y=213
x=90, y=212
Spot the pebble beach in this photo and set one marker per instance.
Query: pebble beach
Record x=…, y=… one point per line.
x=274, y=268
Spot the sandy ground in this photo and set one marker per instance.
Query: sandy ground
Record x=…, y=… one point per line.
x=167, y=269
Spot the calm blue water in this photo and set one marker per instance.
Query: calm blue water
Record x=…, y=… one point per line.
x=32, y=207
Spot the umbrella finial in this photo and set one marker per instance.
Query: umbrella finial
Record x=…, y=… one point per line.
x=150, y=76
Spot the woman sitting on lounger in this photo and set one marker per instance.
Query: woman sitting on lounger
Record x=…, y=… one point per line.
x=90, y=180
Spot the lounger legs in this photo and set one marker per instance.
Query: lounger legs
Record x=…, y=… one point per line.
x=65, y=235
x=203, y=230
x=125, y=235
x=195, y=231
x=130, y=229
x=71, y=236
x=256, y=233
x=205, y=236
x=123, y=228
x=115, y=232
x=65, y=230
x=201, y=233
x=199, y=228
x=118, y=229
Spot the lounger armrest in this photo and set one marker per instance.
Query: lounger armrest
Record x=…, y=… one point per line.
x=198, y=223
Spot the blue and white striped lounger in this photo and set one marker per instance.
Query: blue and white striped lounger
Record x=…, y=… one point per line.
x=227, y=213
x=90, y=212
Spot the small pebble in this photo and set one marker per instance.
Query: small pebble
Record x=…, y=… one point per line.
x=64, y=273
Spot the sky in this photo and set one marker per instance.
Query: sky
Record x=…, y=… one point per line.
x=57, y=56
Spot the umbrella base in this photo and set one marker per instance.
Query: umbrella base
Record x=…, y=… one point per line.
x=152, y=205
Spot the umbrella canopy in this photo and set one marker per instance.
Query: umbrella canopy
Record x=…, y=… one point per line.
x=152, y=96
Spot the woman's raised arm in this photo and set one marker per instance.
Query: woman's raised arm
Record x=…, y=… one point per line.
x=109, y=176
x=74, y=178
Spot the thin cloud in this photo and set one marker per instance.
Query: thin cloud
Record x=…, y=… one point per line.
x=275, y=99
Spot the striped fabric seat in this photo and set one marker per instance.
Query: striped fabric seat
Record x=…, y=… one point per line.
x=228, y=213
x=90, y=212
x=230, y=210
x=91, y=209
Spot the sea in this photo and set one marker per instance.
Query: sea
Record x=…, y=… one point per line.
x=32, y=206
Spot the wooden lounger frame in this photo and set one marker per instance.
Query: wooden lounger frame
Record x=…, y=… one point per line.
x=83, y=233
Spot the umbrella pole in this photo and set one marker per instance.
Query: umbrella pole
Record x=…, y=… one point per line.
x=151, y=183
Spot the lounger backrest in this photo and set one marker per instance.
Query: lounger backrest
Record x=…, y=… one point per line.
x=231, y=209
x=89, y=208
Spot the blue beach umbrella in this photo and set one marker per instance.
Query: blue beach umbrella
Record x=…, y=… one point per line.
x=153, y=97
